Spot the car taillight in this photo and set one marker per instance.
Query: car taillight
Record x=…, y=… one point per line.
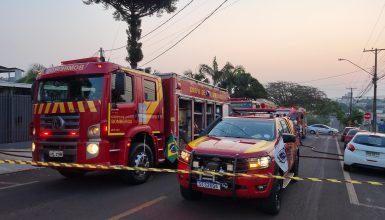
x=351, y=147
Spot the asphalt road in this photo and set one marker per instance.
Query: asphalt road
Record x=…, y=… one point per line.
x=44, y=194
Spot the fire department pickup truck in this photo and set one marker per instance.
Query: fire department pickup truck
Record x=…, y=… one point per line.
x=242, y=145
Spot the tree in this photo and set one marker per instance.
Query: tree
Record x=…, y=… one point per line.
x=31, y=73
x=213, y=71
x=197, y=76
x=132, y=12
x=247, y=86
x=292, y=94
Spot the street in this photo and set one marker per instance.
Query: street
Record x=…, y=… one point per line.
x=45, y=194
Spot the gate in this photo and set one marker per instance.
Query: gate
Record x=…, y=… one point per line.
x=15, y=117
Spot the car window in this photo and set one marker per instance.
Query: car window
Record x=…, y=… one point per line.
x=370, y=140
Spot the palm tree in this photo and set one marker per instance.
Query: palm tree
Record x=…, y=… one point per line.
x=197, y=76
x=215, y=74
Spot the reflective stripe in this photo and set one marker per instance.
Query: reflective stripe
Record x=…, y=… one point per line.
x=91, y=106
x=71, y=107
x=47, y=108
x=80, y=106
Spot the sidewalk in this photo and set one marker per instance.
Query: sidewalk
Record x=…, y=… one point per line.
x=18, y=146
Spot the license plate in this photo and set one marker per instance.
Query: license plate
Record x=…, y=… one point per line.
x=208, y=185
x=55, y=153
x=372, y=154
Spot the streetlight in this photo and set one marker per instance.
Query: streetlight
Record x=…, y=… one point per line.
x=374, y=79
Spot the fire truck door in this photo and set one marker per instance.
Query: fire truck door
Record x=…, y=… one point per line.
x=151, y=109
x=123, y=110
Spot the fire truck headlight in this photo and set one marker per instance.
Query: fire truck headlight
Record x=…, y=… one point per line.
x=92, y=150
x=94, y=131
x=33, y=146
x=259, y=163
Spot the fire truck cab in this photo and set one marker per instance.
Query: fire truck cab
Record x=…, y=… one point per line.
x=88, y=111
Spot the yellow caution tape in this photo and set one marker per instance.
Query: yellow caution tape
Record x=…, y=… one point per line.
x=162, y=170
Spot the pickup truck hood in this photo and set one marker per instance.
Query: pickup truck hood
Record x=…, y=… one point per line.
x=230, y=146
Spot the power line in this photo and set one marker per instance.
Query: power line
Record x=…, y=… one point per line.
x=375, y=25
x=156, y=27
x=185, y=35
x=329, y=77
x=167, y=20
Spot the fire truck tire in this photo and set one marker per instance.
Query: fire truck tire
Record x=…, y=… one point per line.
x=72, y=174
x=272, y=204
x=140, y=156
x=189, y=194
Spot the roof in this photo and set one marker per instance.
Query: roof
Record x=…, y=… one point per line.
x=4, y=69
x=15, y=85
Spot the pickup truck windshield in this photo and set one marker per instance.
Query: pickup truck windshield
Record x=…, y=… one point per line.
x=244, y=128
x=74, y=88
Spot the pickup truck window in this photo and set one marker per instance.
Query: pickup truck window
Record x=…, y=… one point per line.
x=244, y=128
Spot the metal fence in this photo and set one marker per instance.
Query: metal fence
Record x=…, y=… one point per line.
x=15, y=117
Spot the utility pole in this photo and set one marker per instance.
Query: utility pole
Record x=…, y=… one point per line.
x=351, y=102
x=375, y=79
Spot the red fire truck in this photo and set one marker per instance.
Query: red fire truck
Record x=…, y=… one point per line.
x=296, y=114
x=91, y=112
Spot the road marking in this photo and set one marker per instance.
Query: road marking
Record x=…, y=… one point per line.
x=351, y=191
x=17, y=185
x=138, y=208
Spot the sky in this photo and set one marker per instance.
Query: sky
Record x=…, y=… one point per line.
x=274, y=40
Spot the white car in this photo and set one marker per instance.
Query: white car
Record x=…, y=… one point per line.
x=321, y=129
x=365, y=149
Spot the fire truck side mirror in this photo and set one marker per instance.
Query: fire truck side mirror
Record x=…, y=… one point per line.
x=33, y=88
x=120, y=84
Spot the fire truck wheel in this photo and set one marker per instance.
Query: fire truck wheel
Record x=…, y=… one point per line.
x=189, y=194
x=272, y=204
x=140, y=156
x=72, y=174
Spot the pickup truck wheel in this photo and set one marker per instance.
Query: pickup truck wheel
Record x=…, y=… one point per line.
x=72, y=174
x=141, y=156
x=189, y=194
x=272, y=204
x=295, y=168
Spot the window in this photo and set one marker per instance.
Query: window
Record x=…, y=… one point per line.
x=81, y=88
x=128, y=95
x=149, y=91
x=284, y=127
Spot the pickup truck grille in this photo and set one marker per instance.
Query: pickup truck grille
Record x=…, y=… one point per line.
x=218, y=164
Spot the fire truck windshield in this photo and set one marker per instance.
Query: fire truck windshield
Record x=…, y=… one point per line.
x=244, y=128
x=71, y=89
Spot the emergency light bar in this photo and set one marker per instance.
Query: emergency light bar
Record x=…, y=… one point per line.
x=84, y=60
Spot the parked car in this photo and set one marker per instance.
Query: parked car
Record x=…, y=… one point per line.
x=322, y=129
x=244, y=145
x=349, y=136
x=365, y=149
x=344, y=132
